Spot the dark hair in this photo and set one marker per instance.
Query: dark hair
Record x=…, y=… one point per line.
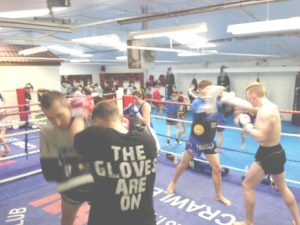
x=194, y=82
x=106, y=111
x=29, y=85
x=49, y=97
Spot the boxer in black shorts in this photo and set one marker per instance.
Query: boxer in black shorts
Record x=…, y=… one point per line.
x=271, y=159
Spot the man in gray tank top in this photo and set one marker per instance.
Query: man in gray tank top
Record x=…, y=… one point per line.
x=58, y=158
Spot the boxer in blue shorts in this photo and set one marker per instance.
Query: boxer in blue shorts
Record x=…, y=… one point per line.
x=201, y=139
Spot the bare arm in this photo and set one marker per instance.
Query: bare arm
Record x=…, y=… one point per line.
x=230, y=98
x=146, y=111
x=77, y=125
x=262, y=127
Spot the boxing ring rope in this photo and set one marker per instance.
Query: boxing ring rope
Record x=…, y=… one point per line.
x=20, y=133
x=6, y=158
x=162, y=150
x=220, y=126
x=23, y=175
x=189, y=104
x=226, y=166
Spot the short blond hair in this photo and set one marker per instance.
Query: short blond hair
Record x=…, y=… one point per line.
x=204, y=83
x=257, y=88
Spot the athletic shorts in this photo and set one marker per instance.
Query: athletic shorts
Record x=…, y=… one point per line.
x=271, y=159
x=197, y=149
x=77, y=196
x=181, y=116
x=171, y=122
x=220, y=129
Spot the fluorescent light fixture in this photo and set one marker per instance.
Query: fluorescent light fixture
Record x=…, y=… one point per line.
x=29, y=13
x=191, y=53
x=156, y=49
x=170, y=31
x=124, y=57
x=109, y=40
x=69, y=51
x=79, y=60
x=103, y=39
x=292, y=23
x=34, y=50
x=193, y=41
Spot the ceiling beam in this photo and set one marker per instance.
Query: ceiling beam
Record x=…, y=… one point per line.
x=35, y=25
x=255, y=36
x=185, y=12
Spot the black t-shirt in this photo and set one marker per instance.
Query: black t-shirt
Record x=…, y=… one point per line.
x=123, y=167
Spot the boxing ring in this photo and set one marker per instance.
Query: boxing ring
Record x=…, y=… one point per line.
x=26, y=198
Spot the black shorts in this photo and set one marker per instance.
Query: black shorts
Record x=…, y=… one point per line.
x=172, y=122
x=77, y=196
x=220, y=129
x=271, y=159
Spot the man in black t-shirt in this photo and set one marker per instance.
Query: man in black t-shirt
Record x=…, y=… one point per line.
x=123, y=164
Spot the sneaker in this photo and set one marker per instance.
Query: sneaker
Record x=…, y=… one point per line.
x=243, y=146
x=168, y=142
x=178, y=142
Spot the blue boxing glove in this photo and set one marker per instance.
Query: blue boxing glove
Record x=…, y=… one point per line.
x=135, y=111
x=197, y=105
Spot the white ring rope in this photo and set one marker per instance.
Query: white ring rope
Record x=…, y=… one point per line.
x=6, y=158
x=20, y=133
x=23, y=175
x=200, y=160
x=22, y=122
x=221, y=126
x=161, y=117
x=225, y=166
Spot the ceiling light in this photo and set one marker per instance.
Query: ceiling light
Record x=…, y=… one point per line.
x=110, y=40
x=29, y=13
x=156, y=49
x=34, y=50
x=124, y=57
x=193, y=41
x=265, y=26
x=191, y=53
x=79, y=60
x=168, y=31
x=69, y=51
x=98, y=39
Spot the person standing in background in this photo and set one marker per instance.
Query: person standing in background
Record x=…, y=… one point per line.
x=156, y=96
x=6, y=149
